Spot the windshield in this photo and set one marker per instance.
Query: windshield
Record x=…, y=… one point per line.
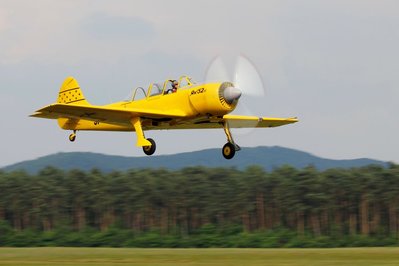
x=158, y=87
x=136, y=94
x=155, y=89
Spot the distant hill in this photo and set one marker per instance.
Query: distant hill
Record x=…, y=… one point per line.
x=268, y=157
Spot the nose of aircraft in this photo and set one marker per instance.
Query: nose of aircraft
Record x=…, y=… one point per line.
x=231, y=93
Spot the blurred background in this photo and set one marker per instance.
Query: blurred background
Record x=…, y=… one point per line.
x=331, y=63
x=201, y=207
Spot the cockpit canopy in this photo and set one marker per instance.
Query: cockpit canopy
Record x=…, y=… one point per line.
x=161, y=88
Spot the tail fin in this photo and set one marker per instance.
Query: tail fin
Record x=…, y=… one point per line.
x=70, y=93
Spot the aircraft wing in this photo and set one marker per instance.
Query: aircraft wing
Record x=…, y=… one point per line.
x=234, y=121
x=99, y=113
x=241, y=121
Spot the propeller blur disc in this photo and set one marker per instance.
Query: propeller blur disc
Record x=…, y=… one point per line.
x=217, y=71
x=247, y=78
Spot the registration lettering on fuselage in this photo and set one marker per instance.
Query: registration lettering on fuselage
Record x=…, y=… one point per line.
x=198, y=91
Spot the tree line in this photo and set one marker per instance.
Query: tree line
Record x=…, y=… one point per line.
x=200, y=207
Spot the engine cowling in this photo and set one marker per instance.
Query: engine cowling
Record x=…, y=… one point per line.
x=214, y=98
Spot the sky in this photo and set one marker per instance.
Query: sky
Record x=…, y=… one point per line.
x=333, y=64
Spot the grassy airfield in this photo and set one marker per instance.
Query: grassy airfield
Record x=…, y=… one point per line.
x=130, y=256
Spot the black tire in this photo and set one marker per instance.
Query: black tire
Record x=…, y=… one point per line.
x=149, y=150
x=72, y=137
x=228, y=151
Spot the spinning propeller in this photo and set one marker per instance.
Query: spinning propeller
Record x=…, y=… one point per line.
x=247, y=84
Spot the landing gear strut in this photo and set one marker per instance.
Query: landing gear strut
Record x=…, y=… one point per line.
x=147, y=144
x=72, y=137
x=229, y=149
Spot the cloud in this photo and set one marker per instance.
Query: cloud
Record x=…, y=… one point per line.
x=4, y=22
x=104, y=27
x=42, y=35
x=332, y=63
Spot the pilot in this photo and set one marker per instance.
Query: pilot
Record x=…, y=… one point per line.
x=175, y=84
x=173, y=88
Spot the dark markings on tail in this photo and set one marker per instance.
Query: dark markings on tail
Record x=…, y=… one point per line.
x=68, y=90
x=77, y=100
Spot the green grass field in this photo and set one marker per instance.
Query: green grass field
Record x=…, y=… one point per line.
x=247, y=257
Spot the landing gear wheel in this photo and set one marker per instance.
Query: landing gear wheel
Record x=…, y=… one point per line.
x=72, y=137
x=149, y=150
x=228, y=151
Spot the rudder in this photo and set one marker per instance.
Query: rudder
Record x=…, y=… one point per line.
x=70, y=93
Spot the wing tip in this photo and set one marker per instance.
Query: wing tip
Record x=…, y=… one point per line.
x=36, y=113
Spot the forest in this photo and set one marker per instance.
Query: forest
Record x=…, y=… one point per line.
x=201, y=207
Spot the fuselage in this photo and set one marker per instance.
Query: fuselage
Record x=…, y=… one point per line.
x=196, y=102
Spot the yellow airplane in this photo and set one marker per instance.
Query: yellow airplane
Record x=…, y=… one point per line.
x=175, y=104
